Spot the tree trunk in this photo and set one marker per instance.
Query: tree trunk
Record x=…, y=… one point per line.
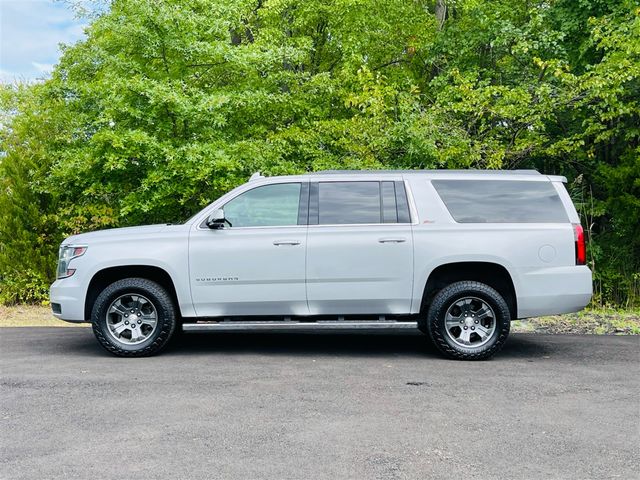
x=441, y=12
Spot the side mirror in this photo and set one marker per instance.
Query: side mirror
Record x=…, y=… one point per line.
x=216, y=219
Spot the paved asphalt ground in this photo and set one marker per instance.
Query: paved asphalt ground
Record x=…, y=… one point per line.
x=317, y=406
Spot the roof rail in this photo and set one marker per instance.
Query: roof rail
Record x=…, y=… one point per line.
x=431, y=172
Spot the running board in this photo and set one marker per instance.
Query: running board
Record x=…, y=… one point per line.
x=276, y=326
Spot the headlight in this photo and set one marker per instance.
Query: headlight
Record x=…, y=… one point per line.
x=66, y=254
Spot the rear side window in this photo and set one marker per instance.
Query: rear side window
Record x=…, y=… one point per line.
x=358, y=202
x=501, y=201
x=349, y=202
x=389, y=207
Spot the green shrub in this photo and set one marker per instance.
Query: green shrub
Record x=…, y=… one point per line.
x=25, y=287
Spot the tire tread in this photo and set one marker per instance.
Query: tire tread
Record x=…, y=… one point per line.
x=435, y=315
x=165, y=303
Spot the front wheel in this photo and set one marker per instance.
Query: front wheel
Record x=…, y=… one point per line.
x=468, y=321
x=133, y=317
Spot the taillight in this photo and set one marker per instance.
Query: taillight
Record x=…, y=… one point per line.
x=581, y=249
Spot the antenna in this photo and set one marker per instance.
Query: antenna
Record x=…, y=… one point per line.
x=255, y=176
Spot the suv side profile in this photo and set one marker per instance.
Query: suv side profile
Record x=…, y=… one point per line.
x=456, y=254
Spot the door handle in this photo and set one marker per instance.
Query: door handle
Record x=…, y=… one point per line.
x=392, y=240
x=286, y=242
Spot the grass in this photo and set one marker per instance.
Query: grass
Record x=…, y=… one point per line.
x=599, y=322
x=31, y=316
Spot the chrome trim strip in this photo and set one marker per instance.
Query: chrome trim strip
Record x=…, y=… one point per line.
x=360, y=225
x=236, y=229
x=276, y=326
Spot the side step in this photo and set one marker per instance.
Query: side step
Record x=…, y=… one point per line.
x=280, y=326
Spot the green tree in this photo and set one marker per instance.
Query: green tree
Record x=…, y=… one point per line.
x=168, y=104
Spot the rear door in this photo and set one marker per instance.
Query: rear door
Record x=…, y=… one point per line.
x=359, y=248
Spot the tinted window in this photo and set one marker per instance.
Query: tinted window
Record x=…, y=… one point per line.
x=403, y=205
x=389, y=208
x=269, y=205
x=501, y=201
x=349, y=202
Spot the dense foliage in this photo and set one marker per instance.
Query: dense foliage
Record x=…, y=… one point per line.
x=168, y=104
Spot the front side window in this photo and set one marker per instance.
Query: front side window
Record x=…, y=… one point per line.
x=266, y=206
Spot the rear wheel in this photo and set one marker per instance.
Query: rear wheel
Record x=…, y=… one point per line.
x=133, y=317
x=468, y=321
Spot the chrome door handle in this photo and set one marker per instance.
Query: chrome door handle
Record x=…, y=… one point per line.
x=392, y=240
x=286, y=242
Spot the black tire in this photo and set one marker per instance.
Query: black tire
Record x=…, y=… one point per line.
x=435, y=326
x=166, y=317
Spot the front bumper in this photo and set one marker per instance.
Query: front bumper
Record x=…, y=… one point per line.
x=68, y=295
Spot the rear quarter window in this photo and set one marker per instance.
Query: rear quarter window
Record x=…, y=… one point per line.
x=501, y=201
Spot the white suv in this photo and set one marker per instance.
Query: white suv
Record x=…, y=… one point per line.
x=456, y=254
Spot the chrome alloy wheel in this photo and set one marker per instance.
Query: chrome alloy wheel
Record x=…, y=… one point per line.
x=131, y=319
x=470, y=322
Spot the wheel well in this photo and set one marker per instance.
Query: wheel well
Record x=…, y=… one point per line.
x=105, y=277
x=492, y=274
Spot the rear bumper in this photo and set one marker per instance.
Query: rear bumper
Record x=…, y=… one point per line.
x=555, y=290
x=68, y=294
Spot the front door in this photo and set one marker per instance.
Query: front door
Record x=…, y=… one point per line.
x=256, y=266
x=359, y=248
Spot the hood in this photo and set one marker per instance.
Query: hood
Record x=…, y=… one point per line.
x=114, y=233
